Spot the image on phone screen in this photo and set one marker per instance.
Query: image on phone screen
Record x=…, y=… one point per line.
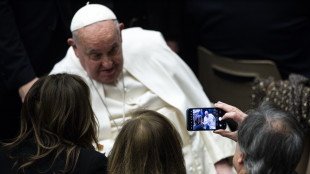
x=200, y=119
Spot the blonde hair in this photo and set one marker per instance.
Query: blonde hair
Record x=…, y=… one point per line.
x=148, y=143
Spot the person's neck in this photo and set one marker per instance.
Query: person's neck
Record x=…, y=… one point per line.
x=243, y=171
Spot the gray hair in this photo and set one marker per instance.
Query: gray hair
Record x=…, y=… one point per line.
x=271, y=140
x=75, y=32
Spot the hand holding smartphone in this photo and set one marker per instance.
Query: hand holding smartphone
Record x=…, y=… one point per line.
x=204, y=119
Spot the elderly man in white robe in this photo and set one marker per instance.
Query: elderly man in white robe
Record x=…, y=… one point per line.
x=134, y=68
x=209, y=120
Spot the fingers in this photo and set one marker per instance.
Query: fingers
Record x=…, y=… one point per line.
x=231, y=112
x=227, y=134
x=237, y=117
x=23, y=90
x=225, y=107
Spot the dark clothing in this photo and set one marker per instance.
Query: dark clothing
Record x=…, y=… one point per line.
x=33, y=37
x=89, y=162
x=198, y=127
x=160, y=15
x=277, y=30
x=291, y=95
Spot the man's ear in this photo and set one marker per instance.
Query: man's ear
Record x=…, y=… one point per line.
x=121, y=27
x=71, y=43
x=240, y=158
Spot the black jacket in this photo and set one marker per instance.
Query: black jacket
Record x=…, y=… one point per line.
x=33, y=37
x=89, y=162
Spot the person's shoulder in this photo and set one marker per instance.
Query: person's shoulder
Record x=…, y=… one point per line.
x=140, y=32
x=91, y=161
x=5, y=162
x=3, y=151
x=141, y=38
x=89, y=153
x=69, y=64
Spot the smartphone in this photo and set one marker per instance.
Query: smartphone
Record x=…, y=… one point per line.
x=204, y=119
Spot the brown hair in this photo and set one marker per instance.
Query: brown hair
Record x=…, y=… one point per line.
x=58, y=117
x=148, y=143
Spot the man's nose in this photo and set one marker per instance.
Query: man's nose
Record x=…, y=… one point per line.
x=107, y=62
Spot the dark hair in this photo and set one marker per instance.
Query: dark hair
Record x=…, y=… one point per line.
x=148, y=143
x=271, y=140
x=198, y=119
x=58, y=117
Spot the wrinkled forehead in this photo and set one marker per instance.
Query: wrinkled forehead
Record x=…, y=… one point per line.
x=103, y=32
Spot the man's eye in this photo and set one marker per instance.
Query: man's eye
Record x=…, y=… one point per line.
x=95, y=56
x=113, y=51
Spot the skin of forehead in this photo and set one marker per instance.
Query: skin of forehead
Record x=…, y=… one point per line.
x=98, y=35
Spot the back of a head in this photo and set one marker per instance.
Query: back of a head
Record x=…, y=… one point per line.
x=58, y=107
x=148, y=143
x=271, y=140
x=56, y=118
x=198, y=119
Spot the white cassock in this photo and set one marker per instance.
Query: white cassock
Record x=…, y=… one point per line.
x=155, y=78
x=210, y=121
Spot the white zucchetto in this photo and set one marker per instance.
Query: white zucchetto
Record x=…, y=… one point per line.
x=89, y=14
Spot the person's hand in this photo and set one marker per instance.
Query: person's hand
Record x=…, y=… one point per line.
x=23, y=90
x=174, y=46
x=232, y=113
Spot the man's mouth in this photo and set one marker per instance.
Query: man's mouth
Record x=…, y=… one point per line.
x=108, y=71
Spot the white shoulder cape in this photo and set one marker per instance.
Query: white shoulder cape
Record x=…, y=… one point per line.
x=148, y=58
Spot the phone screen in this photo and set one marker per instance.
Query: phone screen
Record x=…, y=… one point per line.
x=202, y=119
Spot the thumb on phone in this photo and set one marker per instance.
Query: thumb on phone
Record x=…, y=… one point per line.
x=227, y=134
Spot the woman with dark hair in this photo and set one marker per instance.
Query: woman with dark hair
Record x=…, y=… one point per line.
x=198, y=123
x=58, y=130
x=148, y=143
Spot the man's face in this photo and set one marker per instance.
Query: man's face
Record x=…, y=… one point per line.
x=99, y=49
